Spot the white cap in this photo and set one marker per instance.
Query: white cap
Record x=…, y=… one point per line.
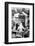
x=16, y=15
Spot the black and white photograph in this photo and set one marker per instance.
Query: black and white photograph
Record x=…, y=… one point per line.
x=19, y=22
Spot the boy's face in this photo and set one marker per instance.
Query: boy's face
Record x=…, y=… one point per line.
x=17, y=20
